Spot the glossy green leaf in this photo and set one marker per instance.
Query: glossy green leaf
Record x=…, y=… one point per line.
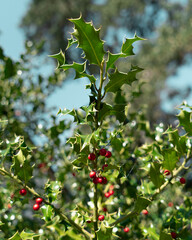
x=60, y=58
x=117, y=110
x=28, y=236
x=165, y=236
x=152, y=233
x=26, y=172
x=79, y=67
x=178, y=141
x=112, y=58
x=80, y=162
x=89, y=40
x=53, y=189
x=16, y=236
x=104, y=232
x=185, y=121
x=47, y=211
x=82, y=75
x=73, y=112
x=71, y=41
x=141, y=203
x=126, y=50
x=156, y=177
x=170, y=159
x=118, y=79
x=127, y=47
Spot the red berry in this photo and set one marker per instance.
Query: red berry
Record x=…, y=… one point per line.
x=88, y=221
x=39, y=200
x=9, y=206
x=170, y=204
x=23, y=192
x=36, y=207
x=104, y=180
x=108, y=154
x=111, y=192
x=145, y=212
x=100, y=179
x=101, y=218
x=105, y=165
x=126, y=229
x=95, y=180
x=102, y=152
x=41, y=165
x=182, y=180
x=104, y=209
x=92, y=174
x=167, y=172
x=73, y=174
x=107, y=195
x=111, y=187
x=92, y=156
x=173, y=235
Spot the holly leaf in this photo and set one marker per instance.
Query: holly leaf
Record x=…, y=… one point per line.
x=165, y=236
x=82, y=75
x=104, y=232
x=28, y=236
x=170, y=159
x=127, y=47
x=126, y=50
x=73, y=112
x=118, y=79
x=185, y=121
x=89, y=40
x=178, y=141
x=16, y=236
x=53, y=189
x=79, y=67
x=60, y=58
x=112, y=58
x=156, y=177
x=141, y=203
x=47, y=211
x=81, y=161
x=71, y=41
x=118, y=110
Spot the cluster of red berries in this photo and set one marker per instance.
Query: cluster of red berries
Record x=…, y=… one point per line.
x=38, y=201
x=96, y=180
x=102, y=152
x=109, y=193
x=93, y=174
x=36, y=206
x=167, y=173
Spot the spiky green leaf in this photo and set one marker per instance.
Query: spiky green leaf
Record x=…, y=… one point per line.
x=141, y=203
x=60, y=58
x=170, y=159
x=79, y=67
x=118, y=79
x=104, y=232
x=185, y=121
x=156, y=177
x=89, y=40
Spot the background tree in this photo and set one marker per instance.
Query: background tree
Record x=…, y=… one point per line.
x=166, y=22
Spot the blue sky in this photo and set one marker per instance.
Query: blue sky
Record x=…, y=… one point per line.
x=12, y=39
x=73, y=94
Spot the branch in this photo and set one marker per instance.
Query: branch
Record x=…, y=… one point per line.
x=57, y=211
x=158, y=191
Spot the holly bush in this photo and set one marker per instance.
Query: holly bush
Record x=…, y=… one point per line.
x=114, y=177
